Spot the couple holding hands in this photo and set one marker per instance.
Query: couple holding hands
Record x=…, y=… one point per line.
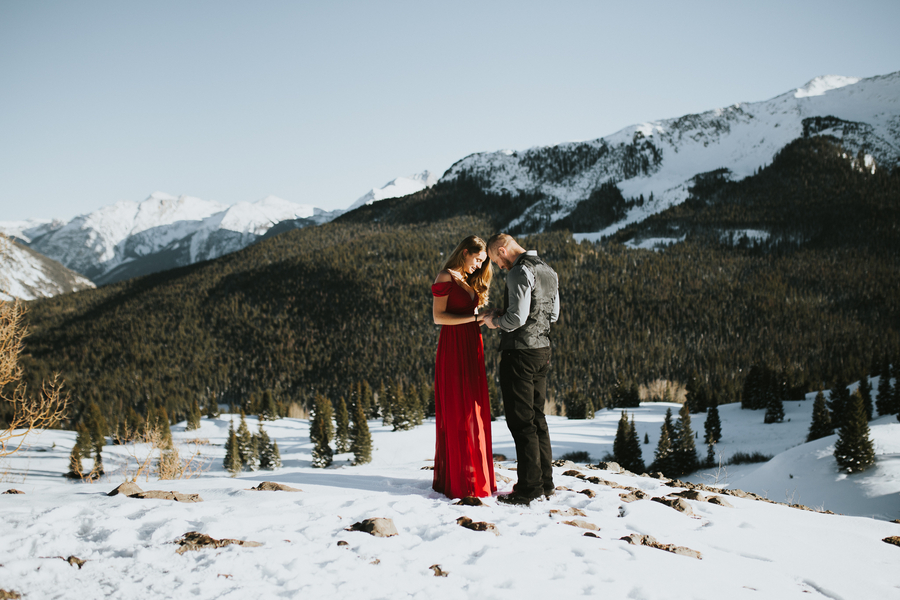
x=463, y=462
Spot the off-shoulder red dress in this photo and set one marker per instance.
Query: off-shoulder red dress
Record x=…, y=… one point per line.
x=463, y=459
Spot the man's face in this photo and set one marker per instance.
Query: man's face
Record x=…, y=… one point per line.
x=500, y=258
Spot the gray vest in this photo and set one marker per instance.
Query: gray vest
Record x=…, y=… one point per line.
x=535, y=333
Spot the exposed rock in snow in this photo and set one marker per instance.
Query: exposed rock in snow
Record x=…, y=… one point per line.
x=27, y=275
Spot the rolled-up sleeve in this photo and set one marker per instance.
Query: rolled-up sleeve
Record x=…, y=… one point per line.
x=519, y=284
x=554, y=316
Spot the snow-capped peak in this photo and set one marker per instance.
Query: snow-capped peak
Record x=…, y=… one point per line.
x=401, y=186
x=825, y=83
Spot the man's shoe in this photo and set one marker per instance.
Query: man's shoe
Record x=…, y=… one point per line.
x=549, y=492
x=516, y=499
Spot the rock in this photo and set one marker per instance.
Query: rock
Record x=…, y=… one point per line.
x=342, y=543
x=469, y=501
x=9, y=595
x=589, y=493
x=75, y=561
x=12, y=491
x=569, y=512
x=438, y=572
x=126, y=489
x=161, y=495
x=679, y=504
x=501, y=478
x=591, y=534
x=894, y=539
x=379, y=527
x=194, y=540
x=897, y=521
x=427, y=468
x=499, y=457
x=610, y=466
x=633, y=496
x=648, y=540
x=564, y=464
x=720, y=501
x=690, y=495
x=271, y=486
x=477, y=525
x=573, y=473
x=582, y=524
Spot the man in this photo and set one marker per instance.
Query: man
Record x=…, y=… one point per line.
x=530, y=304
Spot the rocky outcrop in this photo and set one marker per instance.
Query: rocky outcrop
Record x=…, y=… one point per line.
x=270, y=486
x=648, y=540
x=477, y=525
x=378, y=527
x=161, y=495
x=194, y=540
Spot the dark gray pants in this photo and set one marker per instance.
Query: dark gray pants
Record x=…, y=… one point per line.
x=523, y=382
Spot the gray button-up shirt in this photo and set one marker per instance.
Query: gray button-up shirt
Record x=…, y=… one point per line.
x=520, y=284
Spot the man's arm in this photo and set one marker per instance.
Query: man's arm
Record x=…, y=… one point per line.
x=554, y=316
x=519, y=282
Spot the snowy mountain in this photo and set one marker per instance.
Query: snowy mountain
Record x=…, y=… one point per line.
x=129, y=238
x=659, y=159
x=28, y=275
x=401, y=186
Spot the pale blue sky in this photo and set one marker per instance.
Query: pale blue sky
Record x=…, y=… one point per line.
x=317, y=102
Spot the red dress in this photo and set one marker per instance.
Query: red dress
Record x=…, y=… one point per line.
x=463, y=459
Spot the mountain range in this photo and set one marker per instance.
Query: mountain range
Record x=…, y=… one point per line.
x=593, y=188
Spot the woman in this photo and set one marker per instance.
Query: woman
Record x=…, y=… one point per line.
x=463, y=462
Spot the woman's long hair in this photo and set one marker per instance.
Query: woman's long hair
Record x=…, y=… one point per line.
x=480, y=280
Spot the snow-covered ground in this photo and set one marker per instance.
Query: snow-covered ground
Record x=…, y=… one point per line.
x=752, y=550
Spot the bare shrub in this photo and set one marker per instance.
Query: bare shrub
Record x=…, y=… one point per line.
x=296, y=411
x=150, y=454
x=662, y=390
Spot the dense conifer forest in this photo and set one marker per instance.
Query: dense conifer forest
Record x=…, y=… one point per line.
x=320, y=309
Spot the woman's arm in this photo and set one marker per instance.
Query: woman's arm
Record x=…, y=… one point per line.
x=439, y=308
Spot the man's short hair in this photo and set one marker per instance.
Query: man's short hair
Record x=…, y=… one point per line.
x=499, y=240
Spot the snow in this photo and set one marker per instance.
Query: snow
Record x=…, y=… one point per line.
x=820, y=85
x=26, y=275
x=754, y=549
x=401, y=186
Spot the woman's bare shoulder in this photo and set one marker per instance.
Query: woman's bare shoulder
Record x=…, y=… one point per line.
x=443, y=277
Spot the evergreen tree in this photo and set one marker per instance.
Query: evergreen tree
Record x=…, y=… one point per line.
x=632, y=396
x=712, y=428
x=865, y=390
x=662, y=457
x=247, y=450
x=276, y=455
x=269, y=410
x=212, y=407
x=428, y=400
x=854, y=450
x=684, y=452
x=752, y=396
x=635, y=453
x=695, y=393
x=884, y=401
x=342, y=429
x=894, y=405
x=97, y=426
x=232, y=461
x=193, y=421
x=76, y=468
x=646, y=438
x=97, y=470
x=320, y=431
x=620, y=443
x=269, y=457
x=821, y=419
x=384, y=405
x=774, y=404
x=360, y=438
x=838, y=400
x=399, y=408
x=578, y=405
x=133, y=424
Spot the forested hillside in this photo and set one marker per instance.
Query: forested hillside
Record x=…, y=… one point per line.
x=322, y=308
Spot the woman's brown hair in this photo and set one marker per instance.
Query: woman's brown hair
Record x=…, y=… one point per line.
x=480, y=280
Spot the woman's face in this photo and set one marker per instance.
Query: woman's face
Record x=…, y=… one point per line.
x=472, y=262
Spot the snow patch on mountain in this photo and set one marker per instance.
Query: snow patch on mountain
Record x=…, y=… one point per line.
x=820, y=85
x=27, y=275
x=401, y=186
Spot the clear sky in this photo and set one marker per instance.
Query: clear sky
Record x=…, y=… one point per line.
x=318, y=102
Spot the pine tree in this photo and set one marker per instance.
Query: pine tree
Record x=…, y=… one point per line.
x=384, y=405
x=212, y=407
x=97, y=426
x=399, y=407
x=854, y=450
x=662, y=457
x=276, y=455
x=269, y=457
x=838, y=400
x=684, y=452
x=865, y=390
x=774, y=404
x=193, y=421
x=320, y=431
x=634, y=450
x=578, y=405
x=246, y=448
x=97, y=470
x=76, y=468
x=232, y=461
x=713, y=426
x=884, y=401
x=821, y=419
x=342, y=430
x=360, y=438
x=269, y=410
x=620, y=443
x=894, y=405
x=416, y=406
x=752, y=396
x=694, y=393
x=646, y=438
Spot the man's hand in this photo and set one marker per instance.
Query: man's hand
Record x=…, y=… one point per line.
x=489, y=321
